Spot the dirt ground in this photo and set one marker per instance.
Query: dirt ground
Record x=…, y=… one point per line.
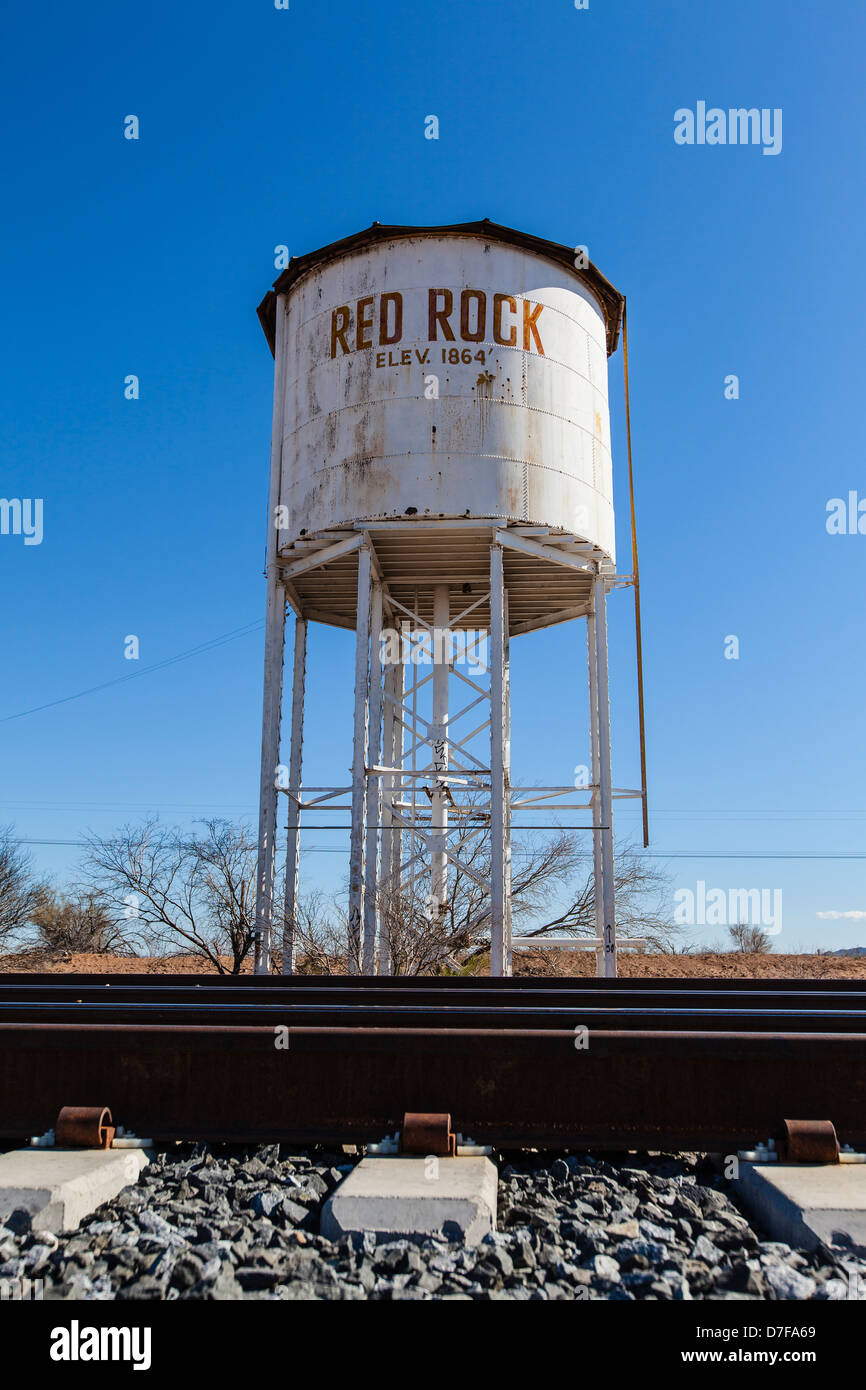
x=723, y=965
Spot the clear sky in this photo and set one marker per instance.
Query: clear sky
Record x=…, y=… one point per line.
x=260, y=127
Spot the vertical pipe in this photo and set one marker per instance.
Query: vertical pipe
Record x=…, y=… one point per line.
x=597, y=859
x=373, y=795
x=439, y=741
x=275, y=621
x=497, y=763
x=296, y=755
x=359, y=762
x=636, y=577
x=605, y=786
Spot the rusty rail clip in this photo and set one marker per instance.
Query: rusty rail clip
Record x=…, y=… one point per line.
x=427, y=1134
x=808, y=1141
x=84, y=1127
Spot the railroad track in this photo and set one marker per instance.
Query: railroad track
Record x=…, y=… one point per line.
x=710, y=1064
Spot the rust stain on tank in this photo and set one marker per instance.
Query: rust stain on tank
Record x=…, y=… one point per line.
x=483, y=384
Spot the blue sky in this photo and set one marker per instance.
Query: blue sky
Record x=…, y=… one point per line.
x=261, y=127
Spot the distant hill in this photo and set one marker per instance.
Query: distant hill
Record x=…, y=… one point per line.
x=849, y=951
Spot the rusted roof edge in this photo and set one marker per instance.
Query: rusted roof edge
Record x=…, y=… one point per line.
x=610, y=299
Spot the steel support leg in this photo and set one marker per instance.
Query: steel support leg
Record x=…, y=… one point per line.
x=604, y=780
x=439, y=737
x=597, y=858
x=373, y=793
x=295, y=773
x=359, y=762
x=506, y=760
x=392, y=748
x=498, y=790
x=275, y=622
x=397, y=837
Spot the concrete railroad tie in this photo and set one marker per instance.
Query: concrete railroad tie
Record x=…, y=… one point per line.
x=59, y=1187
x=404, y=1196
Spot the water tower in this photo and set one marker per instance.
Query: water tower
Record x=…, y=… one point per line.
x=440, y=485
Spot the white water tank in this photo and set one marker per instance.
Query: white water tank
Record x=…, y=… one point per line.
x=445, y=372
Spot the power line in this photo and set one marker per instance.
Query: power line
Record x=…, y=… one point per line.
x=792, y=854
x=112, y=807
x=213, y=643
x=249, y=807
x=756, y=854
x=808, y=813
x=23, y=840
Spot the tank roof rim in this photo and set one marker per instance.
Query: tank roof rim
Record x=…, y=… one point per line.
x=610, y=299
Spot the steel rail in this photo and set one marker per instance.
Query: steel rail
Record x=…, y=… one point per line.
x=433, y=1017
x=625, y=1089
x=445, y=984
x=505, y=991
x=549, y=1063
x=351, y=998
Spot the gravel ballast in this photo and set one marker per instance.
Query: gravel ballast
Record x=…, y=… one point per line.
x=228, y=1224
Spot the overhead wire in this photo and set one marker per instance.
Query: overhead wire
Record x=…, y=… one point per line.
x=210, y=645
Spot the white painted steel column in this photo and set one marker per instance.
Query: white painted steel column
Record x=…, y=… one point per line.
x=498, y=948
x=271, y=712
x=439, y=742
x=506, y=749
x=275, y=623
x=359, y=762
x=399, y=754
x=605, y=785
x=373, y=793
x=597, y=860
x=393, y=682
x=296, y=757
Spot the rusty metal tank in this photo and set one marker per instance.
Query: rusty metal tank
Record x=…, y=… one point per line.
x=444, y=372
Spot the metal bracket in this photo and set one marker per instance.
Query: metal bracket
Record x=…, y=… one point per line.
x=803, y=1141
x=808, y=1141
x=87, y=1127
x=84, y=1127
x=426, y=1134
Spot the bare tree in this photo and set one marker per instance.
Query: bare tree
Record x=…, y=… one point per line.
x=19, y=890
x=751, y=941
x=78, y=922
x=640, y=895
x=424, y=942
x=320, y=937
x=194, y=891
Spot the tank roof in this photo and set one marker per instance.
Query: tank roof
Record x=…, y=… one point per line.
x=610, y=299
